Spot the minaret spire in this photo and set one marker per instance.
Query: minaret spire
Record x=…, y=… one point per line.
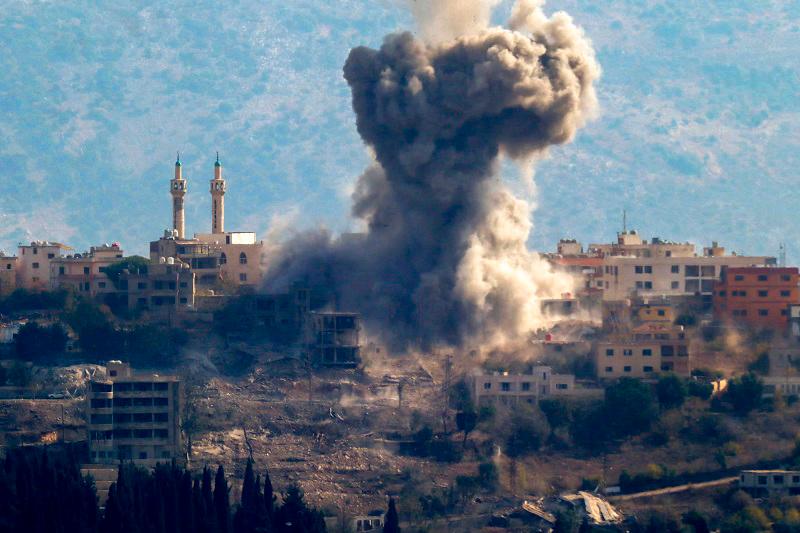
x=177, y=188
x=218, y=199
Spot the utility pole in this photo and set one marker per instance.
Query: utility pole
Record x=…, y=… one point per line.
x=448, y=363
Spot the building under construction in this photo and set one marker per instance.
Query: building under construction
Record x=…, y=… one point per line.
x=332, y=338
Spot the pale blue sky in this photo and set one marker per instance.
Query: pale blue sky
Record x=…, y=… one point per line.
x=699, y=134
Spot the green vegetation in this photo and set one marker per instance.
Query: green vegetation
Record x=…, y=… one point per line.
x=133, y=264
x=39, y=343
x=671, y=391
x=23, y=300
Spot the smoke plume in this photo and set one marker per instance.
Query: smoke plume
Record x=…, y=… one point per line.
x=444, y=260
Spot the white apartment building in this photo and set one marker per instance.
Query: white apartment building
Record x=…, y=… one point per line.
x=636, y=267
x=511, y=389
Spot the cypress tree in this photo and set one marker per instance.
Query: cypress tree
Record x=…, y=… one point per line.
x=269, y=496
x=210, y=521
x=391, y=521
x=221, y=501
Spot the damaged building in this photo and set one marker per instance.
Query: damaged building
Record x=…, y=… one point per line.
x=332, y=338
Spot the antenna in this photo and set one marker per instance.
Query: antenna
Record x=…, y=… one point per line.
x=782, y=255
x=624, y=221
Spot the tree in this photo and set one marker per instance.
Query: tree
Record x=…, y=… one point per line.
x=251, y=516
x=133, y=264
x=391, y=523
x=37, y=343
x=529, y=430
x=745, y=393
x=696, y=521
x=629, y=407
x=557, y=412
x=566, y=522
x=221, y=500
x=20, y=374
x=466, y=422
x=671, y=391
x=487, y=474
x=294, y=516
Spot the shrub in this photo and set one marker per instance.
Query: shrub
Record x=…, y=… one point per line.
x=630, y=407
x=700, y=389
x=671, y=391
x=529, y=430
x=36, y=343
x=745, y=393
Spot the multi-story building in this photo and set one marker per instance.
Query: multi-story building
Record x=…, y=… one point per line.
x=8, y=274
x=164, y=288
x=134, y=417
x=33, y=263
x=646, y=351
x=217, y=258
x=332, y=338
x=85, y=273
x=538, y=383
x=760, y=482
x=759, y=297
x=634, y=267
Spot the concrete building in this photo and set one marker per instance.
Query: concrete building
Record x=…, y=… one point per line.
x=218, y=258
x=759, y=297
x=633, y=266
x=85, y=273
x=538, y=383
x=165, y=288
x=761, y=482
x=647, y=351
x=33, y=263
x=332, y=338
x=8, y=274
x=134, y=417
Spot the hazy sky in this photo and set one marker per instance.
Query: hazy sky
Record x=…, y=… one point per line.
x=699, y=135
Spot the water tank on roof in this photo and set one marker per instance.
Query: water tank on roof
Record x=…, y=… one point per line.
x=162, y=260
x=170, y=260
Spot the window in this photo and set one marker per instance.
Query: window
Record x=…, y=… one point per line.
x=223, y=259
x=505, y=386
x=784, y=312
x=609, y=369
x=242, y=258
x=35, y=251
x=778, y=480
x=101, y=403
x=143, y=433
x=722, y=294
x=667, y=350
x=50, y=256
x=160, y=417
x=648, y=368
x=692, y=271
x=786, y=277
x=692, y=285
x=526, y=386
x=142, y=455
x=648, y=269
x=739, y=312
x=763, y=294
x=738, y=277
x=160, y=433
x=122, y=433
x=142, y=417
x=86, y=271
x=161, y=386
x=647, y=352
x=763, y=312
x=795, y=479
x=160, y=402
x=786, y=294
x=35, y=265
x=627, y=352
x=60, y=271
x=639, y=269
x=101, y=387
x=610, y=352
x=142, y=402
x=122, y=418
x=674, y=285
x=661, y=312
x=242, y=277
x=675, y=269
x=184, y=284
x=101, y=284
x=122, y=402
x=627, y=369
x=101, y=419
x=142, y=387
x=487, y=386
x=762, y=277
x=707, y=271
x=142, y=285
x=562, y=386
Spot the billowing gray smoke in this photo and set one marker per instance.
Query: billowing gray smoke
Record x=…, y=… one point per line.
x=444, y=260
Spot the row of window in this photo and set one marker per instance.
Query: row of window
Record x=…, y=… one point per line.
x=129, y=402
x=126, y=418
x=691, y=271
x=629, y=369
x=525, y=386
x=761, y=294
x=126, y=386
x=763, y=277
x=159, y=434
x=761, y=312
x=667, y=350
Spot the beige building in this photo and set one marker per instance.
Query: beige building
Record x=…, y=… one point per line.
x=770, y=481
x=218, y=258
x=134, y=417
x=633, y=267
x=537, y=384
x=33, y=263
x=84, y=273
x=8, y=274
x=645, y=352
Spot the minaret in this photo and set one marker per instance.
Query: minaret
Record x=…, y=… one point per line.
x=218, y=199
x=177, y=186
